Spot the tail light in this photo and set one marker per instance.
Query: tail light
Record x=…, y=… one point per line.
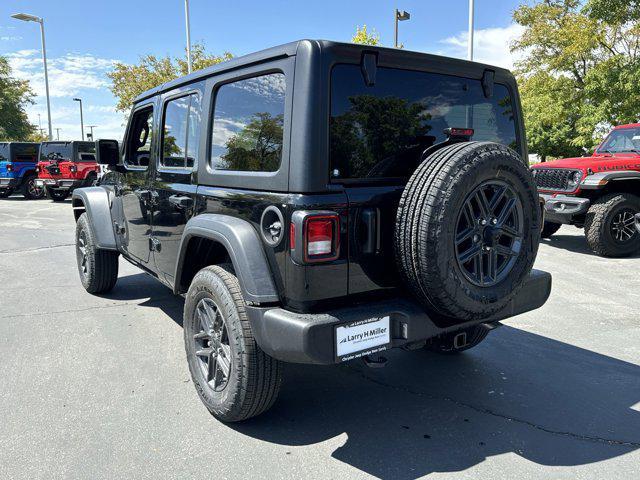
x=314, y=236
x=9, y=167
x=73, y=168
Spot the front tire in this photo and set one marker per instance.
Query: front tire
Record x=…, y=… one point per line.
x=610, y=225
x=234, y=378
x=550, y=229
x=98, y=268
x=57, y=195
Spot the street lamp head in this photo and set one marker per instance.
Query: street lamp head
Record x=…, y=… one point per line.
x=25, y=17
x=77, y=99
x=403, y=15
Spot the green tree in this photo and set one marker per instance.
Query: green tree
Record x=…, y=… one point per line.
x=257, y=147
x=129, y=81
x=15, y=95
x=365, y=38
x=579, y=73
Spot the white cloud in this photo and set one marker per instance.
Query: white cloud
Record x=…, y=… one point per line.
x=74, y=74
x=67, y=75
x=491, y=45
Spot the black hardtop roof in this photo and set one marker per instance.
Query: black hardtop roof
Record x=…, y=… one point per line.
x=67, y=142
x=19, y=143
x=290, y=49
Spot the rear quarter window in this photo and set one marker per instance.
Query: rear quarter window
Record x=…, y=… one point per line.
x=380, y=131
x=248, y=124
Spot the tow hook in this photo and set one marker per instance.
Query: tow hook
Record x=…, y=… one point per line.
x=374, y=361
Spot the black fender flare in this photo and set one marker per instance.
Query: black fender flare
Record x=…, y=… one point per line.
x=600, y=179
x=96, y=202
x=245, y=250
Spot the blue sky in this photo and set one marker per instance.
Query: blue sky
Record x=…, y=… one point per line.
x=85, y=38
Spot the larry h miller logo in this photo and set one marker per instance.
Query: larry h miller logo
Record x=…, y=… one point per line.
x=367, y=334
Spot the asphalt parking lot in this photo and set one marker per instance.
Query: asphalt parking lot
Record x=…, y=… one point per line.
x=98, y=387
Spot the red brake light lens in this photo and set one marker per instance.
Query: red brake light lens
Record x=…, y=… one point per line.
x=73, y=168
x=9, y=167
x=321, y=238
x=292, y=236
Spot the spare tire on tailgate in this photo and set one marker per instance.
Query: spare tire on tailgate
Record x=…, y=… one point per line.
x=468, y=229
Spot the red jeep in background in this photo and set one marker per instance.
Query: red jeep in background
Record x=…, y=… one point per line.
x=64, y=166
x=600, y=193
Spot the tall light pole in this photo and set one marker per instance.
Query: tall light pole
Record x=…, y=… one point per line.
x=188, y=26
x=399, y=16
x=32, y=18
x=470, y=45
x=81, y=120
x=91, y=127
x=58, y=133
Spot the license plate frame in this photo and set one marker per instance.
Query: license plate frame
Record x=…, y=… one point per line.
x=360, y=338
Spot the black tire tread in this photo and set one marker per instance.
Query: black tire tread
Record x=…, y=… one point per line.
x=595, y=224
x=103, y=269
x=262, y=376
x=423, y=197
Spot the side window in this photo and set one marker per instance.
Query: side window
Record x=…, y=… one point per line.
x=180, y=132
x=248, y=123
x=86, y=152
x=26, y=153
x=138, y=147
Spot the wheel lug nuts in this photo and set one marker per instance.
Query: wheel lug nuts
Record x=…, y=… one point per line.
x=476, y=238
x=483, y=222
x=494, y=221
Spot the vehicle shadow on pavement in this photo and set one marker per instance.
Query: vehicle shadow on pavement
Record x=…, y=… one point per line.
x=520, y=393
x=573, y=243
x=142, y=286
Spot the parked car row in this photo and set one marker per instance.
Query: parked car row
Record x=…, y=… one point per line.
x=51, y=168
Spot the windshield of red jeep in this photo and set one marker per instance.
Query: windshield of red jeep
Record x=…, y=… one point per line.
x=622, y=140
x=56, y=151
x=380, y=131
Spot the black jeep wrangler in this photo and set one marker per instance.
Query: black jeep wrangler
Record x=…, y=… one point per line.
x=320, y=202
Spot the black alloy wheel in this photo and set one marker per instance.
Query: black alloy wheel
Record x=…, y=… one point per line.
x=489, y=233
x=212, y=347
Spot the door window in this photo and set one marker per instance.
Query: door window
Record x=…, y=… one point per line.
x=248, y=124
x=138, y=149
x=181, y=132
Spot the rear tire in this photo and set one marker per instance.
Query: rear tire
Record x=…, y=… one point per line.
x=98, y=268
x=30, y=190
x=234, y=378
x=446, y=344
x=57, y=195
x=610, y=225
x=468, y=229
x=549, y=229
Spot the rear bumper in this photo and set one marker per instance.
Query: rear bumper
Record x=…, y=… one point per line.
x=9, y=182
x=311, y=338
x=563, y=208
x=59, y=184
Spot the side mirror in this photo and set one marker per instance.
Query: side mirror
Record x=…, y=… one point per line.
x=107, y=152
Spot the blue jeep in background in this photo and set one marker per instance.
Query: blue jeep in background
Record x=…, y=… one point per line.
x=18, y=172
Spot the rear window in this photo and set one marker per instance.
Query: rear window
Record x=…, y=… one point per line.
x=56, y=151
x=4, y=152
x=380, y=131
x=25, y=153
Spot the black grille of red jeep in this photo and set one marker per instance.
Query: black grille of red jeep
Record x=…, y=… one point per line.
x=553, y=178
